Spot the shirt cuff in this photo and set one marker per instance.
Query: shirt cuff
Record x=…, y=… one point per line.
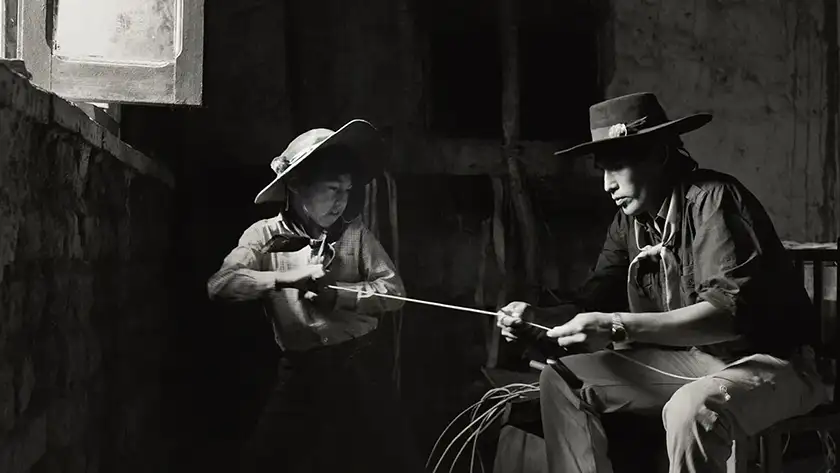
x=719, y=299
x=346, y=300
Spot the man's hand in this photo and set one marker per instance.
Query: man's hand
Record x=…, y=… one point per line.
x=510, y=318
x=592, y=329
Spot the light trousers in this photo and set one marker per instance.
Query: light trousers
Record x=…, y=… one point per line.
x=701, y=417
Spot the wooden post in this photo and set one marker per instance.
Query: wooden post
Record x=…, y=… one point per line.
x=497, y=236
x=405, y=127
x=509, y=23
x=411, y=124
x=522, y=215
x=391, y=185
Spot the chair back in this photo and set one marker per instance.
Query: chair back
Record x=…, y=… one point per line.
x=818, y=267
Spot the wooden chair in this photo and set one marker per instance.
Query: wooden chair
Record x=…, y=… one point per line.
x=826, y=417
x=526, y=415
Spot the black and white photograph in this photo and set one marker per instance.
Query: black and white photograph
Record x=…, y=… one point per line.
x=419, y=236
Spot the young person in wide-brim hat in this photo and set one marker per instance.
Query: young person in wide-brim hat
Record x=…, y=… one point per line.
x=692, y=282
x=337, y=410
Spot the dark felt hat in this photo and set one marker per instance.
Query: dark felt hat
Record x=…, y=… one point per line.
x=631, y=119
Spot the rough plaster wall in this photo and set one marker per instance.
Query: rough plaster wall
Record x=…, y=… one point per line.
x=83, y=300
x=760, y=67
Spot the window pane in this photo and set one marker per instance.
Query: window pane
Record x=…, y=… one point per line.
x=556, y=91
x=466, y=82
x=125, y=31
x=8, y=28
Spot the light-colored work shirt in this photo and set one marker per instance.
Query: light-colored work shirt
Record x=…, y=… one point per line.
x=360, y=262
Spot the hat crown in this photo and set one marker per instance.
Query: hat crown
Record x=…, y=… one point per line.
x=632, y=117
x=299, y=148
x=357, y=134
x=640, y=108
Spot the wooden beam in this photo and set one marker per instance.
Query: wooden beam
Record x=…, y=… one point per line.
x=469, y=157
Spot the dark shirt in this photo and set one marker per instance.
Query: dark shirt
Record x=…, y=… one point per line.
x=728, y=254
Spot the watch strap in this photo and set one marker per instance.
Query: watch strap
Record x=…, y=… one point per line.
x=618, y=331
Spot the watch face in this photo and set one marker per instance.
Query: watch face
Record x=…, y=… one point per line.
x=618, y=333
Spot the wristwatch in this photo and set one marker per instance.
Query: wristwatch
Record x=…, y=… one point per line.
x=619, y=332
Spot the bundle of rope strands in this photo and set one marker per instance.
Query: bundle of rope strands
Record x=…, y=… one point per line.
x=504, y=395
x=499, y=399
x=829, y=450
x=481, y=417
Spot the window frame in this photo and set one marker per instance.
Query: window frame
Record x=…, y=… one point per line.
x=2, y=29
x=178, y=83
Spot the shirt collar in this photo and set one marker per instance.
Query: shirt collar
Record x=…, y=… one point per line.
x=663, y=209
x=656, y=222
x=294, y=224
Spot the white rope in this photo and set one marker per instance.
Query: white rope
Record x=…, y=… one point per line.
x=494, y=314
x=436, y=304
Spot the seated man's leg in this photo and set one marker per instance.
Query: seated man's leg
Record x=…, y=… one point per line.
x=574, y=435
x=703, y=417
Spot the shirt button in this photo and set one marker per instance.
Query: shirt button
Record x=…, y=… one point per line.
x=325, y=340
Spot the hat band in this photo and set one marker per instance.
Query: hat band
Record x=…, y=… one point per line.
x=281, y=163
x=617, y=130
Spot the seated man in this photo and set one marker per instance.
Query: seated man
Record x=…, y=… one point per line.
x=709, y=321
x=337, y=410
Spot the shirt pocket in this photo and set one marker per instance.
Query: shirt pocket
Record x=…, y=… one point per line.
x=687, y=288
x=645, y=277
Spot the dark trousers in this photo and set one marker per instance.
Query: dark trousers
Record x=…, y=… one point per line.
x=334, y=409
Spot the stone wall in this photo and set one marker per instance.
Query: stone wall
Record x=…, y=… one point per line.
x=84, y=322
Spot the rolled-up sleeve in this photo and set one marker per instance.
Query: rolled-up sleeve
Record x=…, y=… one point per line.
x=727, y=252
x=380, y=276
x=235, y=280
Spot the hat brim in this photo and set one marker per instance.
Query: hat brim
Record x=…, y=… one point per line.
x=356, y=134
x=678, y=126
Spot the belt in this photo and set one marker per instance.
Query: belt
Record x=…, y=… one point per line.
x=338, y=352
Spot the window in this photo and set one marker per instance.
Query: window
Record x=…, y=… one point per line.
x=8, y=28
x=464, y=69
x=558, y=69
x=466, y=82
x=107, y=52
x=558, y=74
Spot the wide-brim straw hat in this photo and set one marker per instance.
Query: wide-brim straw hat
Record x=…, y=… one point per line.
x=358, y=135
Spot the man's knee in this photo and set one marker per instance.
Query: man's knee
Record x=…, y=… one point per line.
x=688, y=411
x=556, y=392
x=554, y=388
x=549, y=379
